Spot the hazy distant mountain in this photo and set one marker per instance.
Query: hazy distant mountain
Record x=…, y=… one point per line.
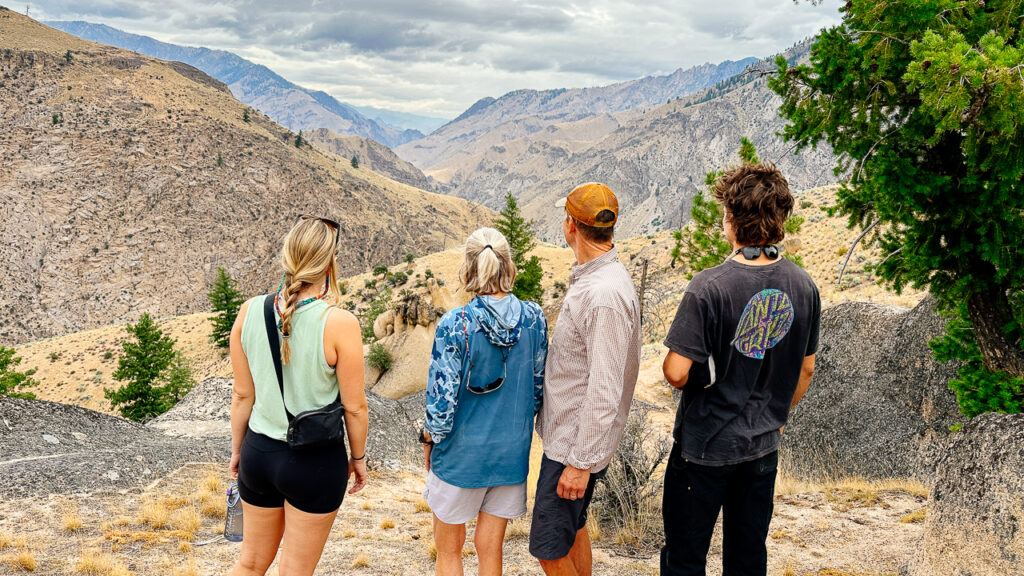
x=653, y=158
x=125, y=181
x=403, y=120
x=288, y=104
x=524, y=112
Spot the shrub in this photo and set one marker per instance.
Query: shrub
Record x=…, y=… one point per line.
x=628, y=501
x=380, y=270
x=379, y=357
x=377, y=306
x=11, y=381
x=398, y=278
x=793, y=224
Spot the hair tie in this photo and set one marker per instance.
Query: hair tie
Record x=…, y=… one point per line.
x=488, y=246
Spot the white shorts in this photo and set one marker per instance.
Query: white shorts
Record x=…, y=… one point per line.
x=454, y=505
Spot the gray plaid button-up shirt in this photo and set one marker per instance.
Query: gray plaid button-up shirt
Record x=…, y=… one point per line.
x=592, y=365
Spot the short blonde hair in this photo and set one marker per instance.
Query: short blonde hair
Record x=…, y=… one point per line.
x=487, y=267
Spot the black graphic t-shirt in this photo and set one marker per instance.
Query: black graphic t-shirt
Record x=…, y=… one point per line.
x=747, y=330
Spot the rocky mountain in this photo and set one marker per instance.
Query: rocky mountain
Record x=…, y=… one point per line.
x=654, y=159
x=286, y=103
x=125, y=181
x=525, y=112
x=371, y=155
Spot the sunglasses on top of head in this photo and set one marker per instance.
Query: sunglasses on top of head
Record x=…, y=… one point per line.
x=329, y=222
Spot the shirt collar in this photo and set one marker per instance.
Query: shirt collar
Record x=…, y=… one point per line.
x=581, y=270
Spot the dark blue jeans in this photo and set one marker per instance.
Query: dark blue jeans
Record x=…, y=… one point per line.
x=694, y=495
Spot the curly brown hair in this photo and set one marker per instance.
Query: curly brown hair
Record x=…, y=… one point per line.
x=757, y=202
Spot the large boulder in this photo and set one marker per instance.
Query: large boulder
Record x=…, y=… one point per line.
x=47, y=447
x=975, y=521
x=204, y=415
x=879, y=404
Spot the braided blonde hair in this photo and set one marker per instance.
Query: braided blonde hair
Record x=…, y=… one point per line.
x=487, y=267
x=307, y=255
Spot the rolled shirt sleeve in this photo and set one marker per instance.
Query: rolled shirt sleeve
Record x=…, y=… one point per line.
x=608, y=336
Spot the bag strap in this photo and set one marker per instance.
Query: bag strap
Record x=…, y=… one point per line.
x=275, y=347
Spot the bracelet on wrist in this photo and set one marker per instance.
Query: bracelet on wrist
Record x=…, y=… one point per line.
x=363, y=457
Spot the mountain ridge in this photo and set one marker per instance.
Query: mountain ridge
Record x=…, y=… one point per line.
x=126, y=181
x=287, y=103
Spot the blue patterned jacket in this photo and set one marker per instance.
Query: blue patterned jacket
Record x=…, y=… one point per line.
x=482, y=438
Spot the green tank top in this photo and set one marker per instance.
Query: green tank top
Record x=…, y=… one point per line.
x=309, y=382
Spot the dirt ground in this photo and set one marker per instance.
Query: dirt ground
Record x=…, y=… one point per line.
x=853, y=529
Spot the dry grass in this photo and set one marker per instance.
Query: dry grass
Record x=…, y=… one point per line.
x=154, y=514
x=92, y=563
x=421, y=505
x=844, y=500
x=71, y=521
x=387, y=523
x=361, y=561
x=786, y=486
x=23, y=561
x=7, y=540
x=366, y=505
x=187, y=520
x=915, y=517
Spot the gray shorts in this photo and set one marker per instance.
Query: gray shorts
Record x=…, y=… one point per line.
x=454, y=505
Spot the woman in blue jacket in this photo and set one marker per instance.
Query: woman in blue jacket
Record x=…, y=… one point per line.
x=485, y=387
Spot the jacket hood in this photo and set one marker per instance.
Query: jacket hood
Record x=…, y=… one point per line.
x=501, y=320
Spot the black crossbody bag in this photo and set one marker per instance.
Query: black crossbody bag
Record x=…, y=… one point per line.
x=313, y=428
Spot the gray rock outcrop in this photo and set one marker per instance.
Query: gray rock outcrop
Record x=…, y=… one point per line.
x=48, y=447
x=204, y=415
x=975, y=521
x=879, y=405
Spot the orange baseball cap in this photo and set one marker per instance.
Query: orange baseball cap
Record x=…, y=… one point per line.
x=588, y=200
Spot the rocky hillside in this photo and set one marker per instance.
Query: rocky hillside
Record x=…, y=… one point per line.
x=524, y=112
x=125, y=181
x=654, y=159
x=286, y=103
x=371, y=156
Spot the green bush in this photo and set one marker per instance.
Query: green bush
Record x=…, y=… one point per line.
x=378, y=305
x=11, y=381
x=380, y=270
x=379, y=357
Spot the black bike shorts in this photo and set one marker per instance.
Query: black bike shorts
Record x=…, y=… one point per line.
x=270, y=474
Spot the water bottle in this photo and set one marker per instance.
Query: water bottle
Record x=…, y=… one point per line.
x=233, y=519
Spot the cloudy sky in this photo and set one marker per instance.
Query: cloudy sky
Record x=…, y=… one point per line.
x=438, y=57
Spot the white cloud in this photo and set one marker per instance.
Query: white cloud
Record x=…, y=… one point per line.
x=437, y=57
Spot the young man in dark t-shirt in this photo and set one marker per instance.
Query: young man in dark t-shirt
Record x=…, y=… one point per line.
x=742, y=349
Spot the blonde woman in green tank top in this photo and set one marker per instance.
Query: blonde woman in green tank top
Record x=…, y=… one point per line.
x=285, y=492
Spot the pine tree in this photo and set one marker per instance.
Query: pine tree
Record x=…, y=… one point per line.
x=11, y=382
x=521, y=240
x=702, y=244
x=177, y=381
x=355, y=162
x=225, y=299
x=245, y=116
x=142, y=362
x=299, y=141
x=922, y=103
